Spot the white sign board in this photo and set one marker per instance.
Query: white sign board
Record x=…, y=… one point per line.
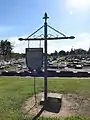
x=34, y=58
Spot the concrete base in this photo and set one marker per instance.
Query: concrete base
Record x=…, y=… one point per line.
x=53, y=103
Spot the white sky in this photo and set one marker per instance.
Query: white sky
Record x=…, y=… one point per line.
x=78, y=5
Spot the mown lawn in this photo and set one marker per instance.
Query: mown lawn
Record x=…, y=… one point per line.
x=15, y=90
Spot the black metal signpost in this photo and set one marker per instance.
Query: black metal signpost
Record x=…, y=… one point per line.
x=45, y=47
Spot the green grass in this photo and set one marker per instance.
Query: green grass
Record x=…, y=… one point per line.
x=15, y=90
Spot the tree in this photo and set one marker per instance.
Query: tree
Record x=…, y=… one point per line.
x=5, y=49
x=55, y=53
x=67, y=53
x=80, y=51
x=88, y=52
x=72, y=52
x=62, y=53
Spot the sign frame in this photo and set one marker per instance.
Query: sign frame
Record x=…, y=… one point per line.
x=33, y=54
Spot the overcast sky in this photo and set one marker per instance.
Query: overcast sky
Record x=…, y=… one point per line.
x=19, y=18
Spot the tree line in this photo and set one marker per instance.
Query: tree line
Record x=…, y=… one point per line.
x=72, y=52
x=6, y=51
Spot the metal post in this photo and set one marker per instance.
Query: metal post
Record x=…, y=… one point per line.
x=34, y=71
x=45, y=57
